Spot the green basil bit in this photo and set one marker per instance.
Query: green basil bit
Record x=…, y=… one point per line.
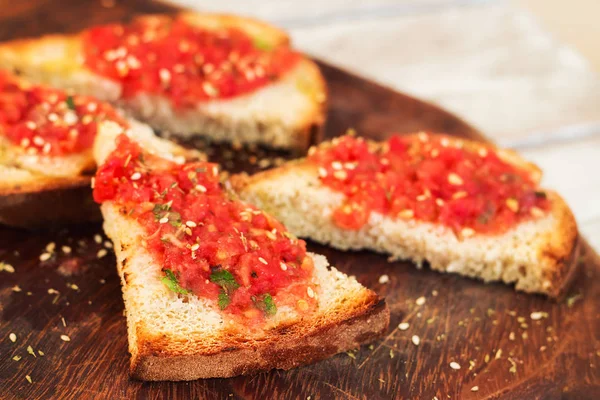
x=225, y=279
x=262, y=44
x=266, y=305
x=171, y=281
x=224, y=300
x=70, y=103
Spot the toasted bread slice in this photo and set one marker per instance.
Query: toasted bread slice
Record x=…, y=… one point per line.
x=185, y=337
x=537, y=255
x=32, y=181
x=286, y=113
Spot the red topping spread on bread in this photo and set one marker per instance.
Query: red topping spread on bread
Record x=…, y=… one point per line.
x=186, y=63
x=47, y=121
x=208, y=243
x=429, y=178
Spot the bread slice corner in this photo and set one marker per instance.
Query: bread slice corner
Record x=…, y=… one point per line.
x=538, y=256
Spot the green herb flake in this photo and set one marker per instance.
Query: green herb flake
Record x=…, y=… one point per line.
x=262, y=44
x=70, y=103
x=170, y=281
x=225, y=279
x=266, y=305
x=224, y=300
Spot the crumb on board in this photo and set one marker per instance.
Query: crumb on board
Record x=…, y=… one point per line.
x=454, y=365
x=12, y=337
x=383, y=279
x=6, y=267
x=28, y=378
x=416, y=340
x=420, y=301
x=475, y=389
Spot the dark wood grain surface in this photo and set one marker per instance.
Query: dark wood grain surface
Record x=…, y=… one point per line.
x=488, y=330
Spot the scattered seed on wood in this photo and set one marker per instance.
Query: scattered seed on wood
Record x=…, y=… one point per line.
x=454, y=365
x=403, y=326
x=12, y=337
x=65, y=338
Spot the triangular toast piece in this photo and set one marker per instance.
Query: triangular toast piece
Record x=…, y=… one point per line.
x=214, y=287
x=464, y=207
x=46, y=138
x=226, y=77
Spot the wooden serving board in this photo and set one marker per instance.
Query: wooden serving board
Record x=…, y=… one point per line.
x=488, y=330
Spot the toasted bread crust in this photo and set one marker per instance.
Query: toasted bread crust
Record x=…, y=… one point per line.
x=281, y=350
x=557, y=249
x=46, y=202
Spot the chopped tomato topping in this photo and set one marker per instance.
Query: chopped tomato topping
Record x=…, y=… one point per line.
x=48, y=121
x=207, y=243
x=428, y=178
x=184, y=62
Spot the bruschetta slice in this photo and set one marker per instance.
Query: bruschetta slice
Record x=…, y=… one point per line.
x=462, y=206
x=214, y=287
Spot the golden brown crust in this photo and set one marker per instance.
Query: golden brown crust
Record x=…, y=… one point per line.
x=46, y=202
x=281, y=349
x=560, y=249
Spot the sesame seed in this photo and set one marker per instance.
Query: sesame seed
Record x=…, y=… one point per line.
x=195, y=247
x=191, y=224
x=209, y=89
x=454, y=365
x=163, y=220
x=53, y=291
x=45, y=256
x=201, y=188
x=101, y=253
x=262, y=260
x=16, y=288
x=31, y=125
x=467, y=232
x=384, y=279
x=536, y=212
x=135, y=176
x=512, y=204
x=445, y=142
x=322, y=172
x=336, y=165
x=38, y=141
x=454, y=179
x=459, y=195
x=108, y=244
x=28, y=378
x=310, y=292
x=97, y=238
x=12, y=337
x=482, y=152
x=536, y=315
x=420, y=301
x=403, y=326
x=302, y=305
x=341, y=175
x=406, y=214
x=283, y=266
x=416, y=340
x=423, y=137
x=435, y=153
x=164, y=75
x=70, y=118
x=474, y=388
x=65, y=338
